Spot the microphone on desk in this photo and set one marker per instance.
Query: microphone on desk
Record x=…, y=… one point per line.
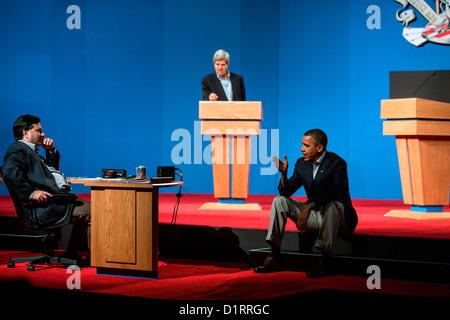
x=423, y=83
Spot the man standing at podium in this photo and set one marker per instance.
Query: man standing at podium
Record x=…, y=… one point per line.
x=327, y=211
x=223, y=85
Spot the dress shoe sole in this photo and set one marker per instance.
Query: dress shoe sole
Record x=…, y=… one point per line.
x=267, y=270
x=316, y=275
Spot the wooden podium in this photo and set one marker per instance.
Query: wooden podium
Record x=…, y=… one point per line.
x=230, y=125
x=422, y=132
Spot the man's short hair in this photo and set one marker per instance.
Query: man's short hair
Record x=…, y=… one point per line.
x=24, y=122
x=318, y=136
x=221, y=55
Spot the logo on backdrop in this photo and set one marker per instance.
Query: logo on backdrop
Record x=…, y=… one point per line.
x=436, y=31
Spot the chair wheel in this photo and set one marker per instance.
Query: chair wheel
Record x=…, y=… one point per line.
x=11, y=264
x=30, y=267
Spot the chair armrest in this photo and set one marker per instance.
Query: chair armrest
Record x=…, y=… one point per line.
x=60, y=198
x=63, y=197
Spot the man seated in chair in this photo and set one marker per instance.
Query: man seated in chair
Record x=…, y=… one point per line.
x=36, y=178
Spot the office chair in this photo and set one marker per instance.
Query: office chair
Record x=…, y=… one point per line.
x=24, y=211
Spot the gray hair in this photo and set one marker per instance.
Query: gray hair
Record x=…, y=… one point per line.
x=221, y=55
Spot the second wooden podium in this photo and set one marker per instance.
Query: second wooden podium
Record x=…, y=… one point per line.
x=422, y=133
x=230, y=125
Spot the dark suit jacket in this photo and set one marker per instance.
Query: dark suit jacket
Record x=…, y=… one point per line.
x=24, y=171
x=210, y=84
x=331, y=184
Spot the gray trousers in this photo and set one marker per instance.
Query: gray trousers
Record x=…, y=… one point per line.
x=81, y=231
x=327, y=222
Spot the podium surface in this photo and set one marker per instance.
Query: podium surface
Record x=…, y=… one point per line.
x=422, y=132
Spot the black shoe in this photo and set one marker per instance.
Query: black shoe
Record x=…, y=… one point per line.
x=74, y=255
x=270, y=265
x=87, y=260
x=321, y=269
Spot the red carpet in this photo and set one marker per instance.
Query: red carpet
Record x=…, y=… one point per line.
x=197, y=280
x=370, y=212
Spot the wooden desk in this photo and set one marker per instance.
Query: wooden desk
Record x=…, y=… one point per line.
x=124, y=226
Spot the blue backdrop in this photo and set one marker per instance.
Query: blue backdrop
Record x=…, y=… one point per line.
x=112, y=93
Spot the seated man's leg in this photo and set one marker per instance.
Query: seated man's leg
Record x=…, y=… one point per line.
x=282, y=208
x=84, y=214
x=327, y=222
x=332, y=220
x=80, y=236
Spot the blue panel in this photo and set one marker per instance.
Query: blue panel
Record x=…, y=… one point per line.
x=193, y=31
x=427, y=208
x=123, y=85
x=231, y=200
x=26, y=57
x=65, y=120
x=313, y=75
x=112, y=93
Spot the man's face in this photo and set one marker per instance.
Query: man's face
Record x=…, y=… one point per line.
x=221, y=67
x=311, y=152
x=34, y=135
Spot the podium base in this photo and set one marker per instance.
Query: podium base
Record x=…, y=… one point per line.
x=419, y=215
x=231, y=206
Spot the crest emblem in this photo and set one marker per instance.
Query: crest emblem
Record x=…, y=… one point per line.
x=436, y=31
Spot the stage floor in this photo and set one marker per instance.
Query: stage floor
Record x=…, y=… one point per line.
x=186, y=281
x=370, y=213
x=194, y=279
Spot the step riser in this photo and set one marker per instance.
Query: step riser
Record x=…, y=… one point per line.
x=354, y=266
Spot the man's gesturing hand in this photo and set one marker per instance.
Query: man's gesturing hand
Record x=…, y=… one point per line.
x=282, y=166
x=303, y=219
